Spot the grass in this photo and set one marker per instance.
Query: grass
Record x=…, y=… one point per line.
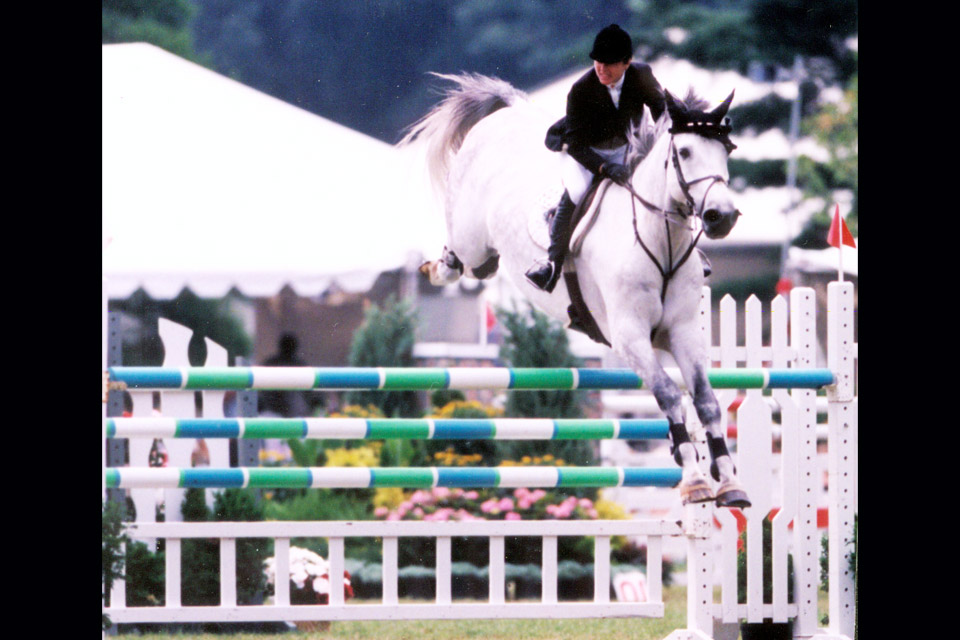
x=578, y=629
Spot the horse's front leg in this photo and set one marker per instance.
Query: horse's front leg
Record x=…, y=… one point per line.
x=634, y=346
x=686, y=344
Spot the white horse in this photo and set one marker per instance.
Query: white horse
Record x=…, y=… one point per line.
x=638, y=273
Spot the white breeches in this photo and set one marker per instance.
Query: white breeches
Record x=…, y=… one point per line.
x=576, y=178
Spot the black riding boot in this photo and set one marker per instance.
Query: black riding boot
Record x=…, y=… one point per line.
x=545, y=277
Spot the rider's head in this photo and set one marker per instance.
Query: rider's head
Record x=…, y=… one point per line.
x=611, y=54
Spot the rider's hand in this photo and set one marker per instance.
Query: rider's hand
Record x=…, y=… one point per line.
x=616, y=172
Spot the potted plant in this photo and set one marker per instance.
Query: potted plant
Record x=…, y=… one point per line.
x=768, y=629
x=309, y=582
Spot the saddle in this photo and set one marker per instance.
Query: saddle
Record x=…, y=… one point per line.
x=584, y=215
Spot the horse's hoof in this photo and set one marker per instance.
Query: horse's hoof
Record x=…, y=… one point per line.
x=696, y=491
x=731, y=495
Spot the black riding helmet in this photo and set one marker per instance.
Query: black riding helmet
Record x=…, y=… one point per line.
x=612, y=45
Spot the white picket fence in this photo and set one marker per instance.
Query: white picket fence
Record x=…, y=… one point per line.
x=795, y=492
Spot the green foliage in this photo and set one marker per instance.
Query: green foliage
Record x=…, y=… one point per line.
x=825, y=557
x=836, y=127
x=758, y=174
x=201, y=558
x=297, y=52
x=144, y=575
x=164, y=23
x=112, y=539
x=386, y=339
x=534, y=340
x=770, y=111
x=207, y=317
x=785, y=28
x=767, y=544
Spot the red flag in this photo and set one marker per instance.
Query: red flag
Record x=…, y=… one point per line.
x=834, y=235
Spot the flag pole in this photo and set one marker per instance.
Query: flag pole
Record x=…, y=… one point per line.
x=840, y=268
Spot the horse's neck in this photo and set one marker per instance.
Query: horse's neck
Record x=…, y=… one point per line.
x=650, y=180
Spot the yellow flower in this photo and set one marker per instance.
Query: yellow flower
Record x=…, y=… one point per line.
x=608, y=510
x=359, y=457
x=389, y=497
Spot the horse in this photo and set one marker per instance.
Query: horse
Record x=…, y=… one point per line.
x=636, y=268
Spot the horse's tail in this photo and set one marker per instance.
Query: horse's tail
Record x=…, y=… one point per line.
x=443, y=129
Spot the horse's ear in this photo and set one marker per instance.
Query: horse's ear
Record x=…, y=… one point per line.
x=674, y=108
x=717, y=114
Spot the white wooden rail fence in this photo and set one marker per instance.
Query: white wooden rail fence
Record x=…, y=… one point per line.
x=788, y=481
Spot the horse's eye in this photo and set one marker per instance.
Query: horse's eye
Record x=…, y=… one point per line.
x=684, y=153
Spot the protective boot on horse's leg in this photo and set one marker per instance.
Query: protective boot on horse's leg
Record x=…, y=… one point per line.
x=545, y=276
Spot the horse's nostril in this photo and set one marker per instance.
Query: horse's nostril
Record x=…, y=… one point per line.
x=712, y=216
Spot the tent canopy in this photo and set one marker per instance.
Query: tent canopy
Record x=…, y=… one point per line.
x=209, y=184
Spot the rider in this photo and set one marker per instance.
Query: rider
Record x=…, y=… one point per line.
x=600, y=107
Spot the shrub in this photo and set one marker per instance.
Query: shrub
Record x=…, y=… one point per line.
x=767, y=546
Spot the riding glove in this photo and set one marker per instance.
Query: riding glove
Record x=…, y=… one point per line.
x=616, y=172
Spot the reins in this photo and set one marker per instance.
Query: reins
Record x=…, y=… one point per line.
x=665, y=214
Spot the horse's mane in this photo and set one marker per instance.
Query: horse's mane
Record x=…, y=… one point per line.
x=643, y=136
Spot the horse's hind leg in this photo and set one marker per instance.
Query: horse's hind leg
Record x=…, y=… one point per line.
x=639, y=353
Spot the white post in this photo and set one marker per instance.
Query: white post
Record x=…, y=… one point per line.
x=548, y=592
x=281, y=550
x=842, y=471
x=803, y=338
x=444, y=571
x=496, y=569
x=389, y=569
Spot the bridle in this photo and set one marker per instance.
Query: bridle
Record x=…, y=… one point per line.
x=685, y=212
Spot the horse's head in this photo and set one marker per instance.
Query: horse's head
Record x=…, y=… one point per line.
x=699, y=147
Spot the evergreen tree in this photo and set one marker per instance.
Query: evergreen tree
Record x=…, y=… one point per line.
x=385, y=339
x=534, y=340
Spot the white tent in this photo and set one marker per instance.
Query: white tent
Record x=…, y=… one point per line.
x=211, y=185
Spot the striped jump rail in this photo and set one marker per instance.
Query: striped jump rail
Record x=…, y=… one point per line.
x=402, y=477
x=390, y=428
x=426, y=379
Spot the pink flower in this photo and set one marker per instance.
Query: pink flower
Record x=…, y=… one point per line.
x=418, y=512
x=585, y=503
x=521, y=493
x=420, y=496
x=490, y=506
x=405, y=506
x=506, y=504
x=513, y=516
x=381, y=512
x=441, y=492
x=471, y=495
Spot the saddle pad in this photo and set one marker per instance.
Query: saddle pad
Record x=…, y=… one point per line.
x=539, y=229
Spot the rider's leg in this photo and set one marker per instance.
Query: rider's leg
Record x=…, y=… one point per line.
x=545, y=276
x=576, y=180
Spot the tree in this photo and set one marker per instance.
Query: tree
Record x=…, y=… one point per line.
x=836, y=128
x=534, y=340
x=164, y=23
x=385, y=339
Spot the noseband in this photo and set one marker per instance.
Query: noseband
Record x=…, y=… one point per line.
x=683, y=212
